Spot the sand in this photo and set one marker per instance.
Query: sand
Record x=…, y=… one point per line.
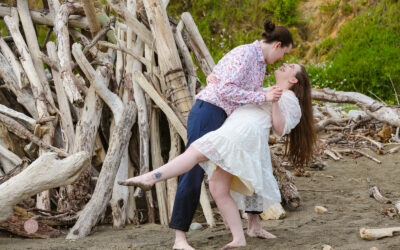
x=349, y=208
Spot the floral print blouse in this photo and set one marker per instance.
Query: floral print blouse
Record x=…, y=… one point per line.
x=237, y=79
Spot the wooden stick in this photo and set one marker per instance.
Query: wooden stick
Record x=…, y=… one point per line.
x=137, y=27
x=90, y=13
x=7, y=154
x=35, y=179
x=378, y=144
x=375, y=192
x=378, y=110
x=20, y=117
x=169, y=60
x=102, y=193
x=187, y=60
x=149, y=89
x=199, y=48
x=22, y=79
x=34, y=49
x=46, y=18
x=64, y=54
x=65, y=112
x=21, y=131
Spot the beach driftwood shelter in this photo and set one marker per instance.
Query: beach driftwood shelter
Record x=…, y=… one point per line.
x=107, y=100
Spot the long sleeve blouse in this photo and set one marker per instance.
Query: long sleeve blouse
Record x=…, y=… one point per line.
x=237, y=79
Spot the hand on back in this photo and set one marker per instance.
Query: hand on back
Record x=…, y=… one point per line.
x=273, y=94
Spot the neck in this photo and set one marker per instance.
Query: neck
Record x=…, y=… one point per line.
x=265, y=47
x=284, y=85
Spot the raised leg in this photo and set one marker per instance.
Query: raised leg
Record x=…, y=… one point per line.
x=176, y=167
x=220, y=183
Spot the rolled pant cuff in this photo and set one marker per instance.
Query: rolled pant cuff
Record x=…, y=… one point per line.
x=179, y=227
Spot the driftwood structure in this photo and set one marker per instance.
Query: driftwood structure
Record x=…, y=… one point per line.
x=78, y=115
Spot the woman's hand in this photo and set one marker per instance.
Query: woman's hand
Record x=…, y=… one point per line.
x=273, y=94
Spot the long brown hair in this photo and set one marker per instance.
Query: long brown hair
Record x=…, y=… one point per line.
x=300, y=142
x=274, y=33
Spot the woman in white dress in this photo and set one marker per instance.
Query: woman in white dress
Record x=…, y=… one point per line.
x=236, y=156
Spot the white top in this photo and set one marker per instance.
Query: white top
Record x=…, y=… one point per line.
x=240, y=147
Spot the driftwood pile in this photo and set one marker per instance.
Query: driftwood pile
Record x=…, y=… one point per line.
x=58, y=140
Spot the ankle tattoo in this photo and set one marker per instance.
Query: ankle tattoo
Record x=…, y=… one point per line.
x=157, y=175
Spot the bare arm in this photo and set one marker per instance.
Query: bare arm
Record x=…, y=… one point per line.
x=278, y=119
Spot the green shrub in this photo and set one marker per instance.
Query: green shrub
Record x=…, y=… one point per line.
x=365, y=55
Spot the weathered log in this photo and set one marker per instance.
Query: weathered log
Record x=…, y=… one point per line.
x=10, y=156
x=22, y=79
x=161, y=102
x=102, y=193
x=157, y=161
x=36, y=178
x=378, y=110
x=197, y=45
x=375, y=192
x=69, y=82
x=34, y=49
x=169, y=61
x=90, y=13
x=137, y=27
x=172, y=184
x=21, y=131
x=377, y=233
x=63, y=105
x=46, y=18
x=187, y=61
x=285, y=179
x=20, y=117
x=16, y=225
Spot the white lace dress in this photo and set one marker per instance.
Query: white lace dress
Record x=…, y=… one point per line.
x=240, y=147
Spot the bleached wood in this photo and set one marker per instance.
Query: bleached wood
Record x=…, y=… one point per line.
x=64, y=53
x=377, y=233
x=10, y=156
x=172, y=183
x=27, y=63
x=205, y=205
x=375, y=109
x=136, y=26
x=43, y=199
x=34, y=49
x=63, y=105
x=111, y=99
x=168, y=57
x=199, y=48
x=21, y=117
x=16, y=65
x=274, y=212
x=90, y=13
x=149, y=89
x=157, y=161
x=24, y=96
x=102, y=193
x=186, y=60
x=46, y=18
x=48, y=171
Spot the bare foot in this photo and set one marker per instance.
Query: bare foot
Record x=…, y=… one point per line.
x=182, y=245
x=234, y=244
x=139, y=181
x=260, y=233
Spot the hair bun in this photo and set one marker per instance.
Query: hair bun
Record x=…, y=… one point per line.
x=269, y=26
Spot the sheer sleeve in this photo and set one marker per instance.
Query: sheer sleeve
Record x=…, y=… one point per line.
x=290, y=107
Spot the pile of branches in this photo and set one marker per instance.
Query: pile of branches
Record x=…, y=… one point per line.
x=62, y=150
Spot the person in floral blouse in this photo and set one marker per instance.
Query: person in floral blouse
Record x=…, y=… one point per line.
x=236, y=80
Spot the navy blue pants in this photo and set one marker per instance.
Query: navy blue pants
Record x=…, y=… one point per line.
x=203, y=118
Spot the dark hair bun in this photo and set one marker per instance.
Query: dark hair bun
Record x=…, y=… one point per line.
x=269, y=26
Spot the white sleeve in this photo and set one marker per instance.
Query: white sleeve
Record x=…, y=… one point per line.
x=290, y=107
